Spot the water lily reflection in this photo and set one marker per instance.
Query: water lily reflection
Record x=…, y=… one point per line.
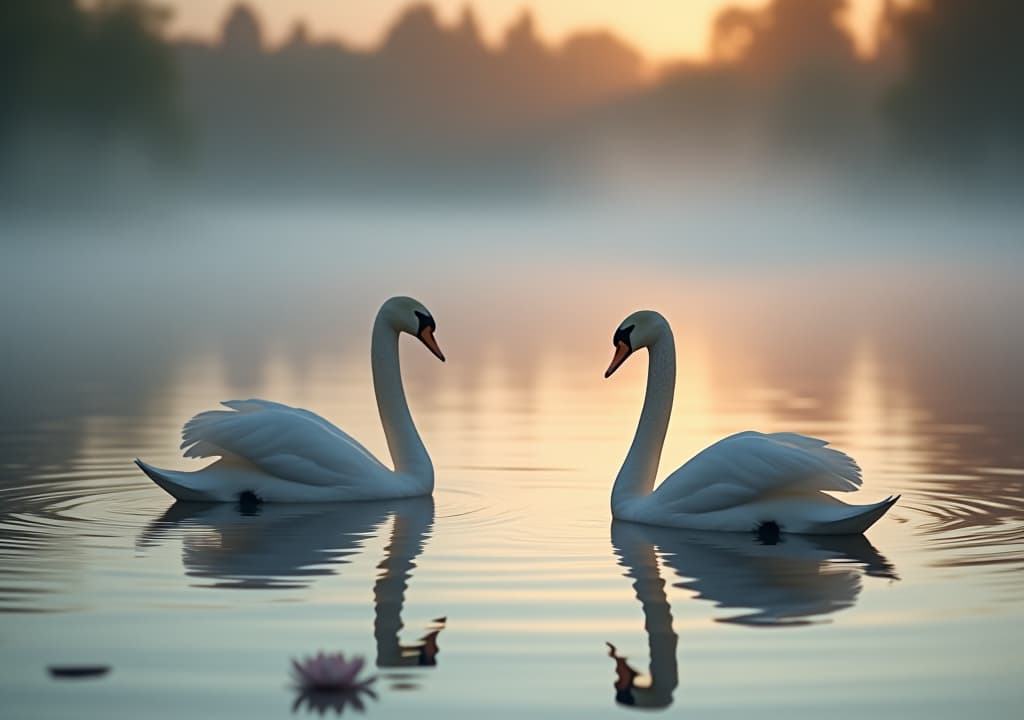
x=320, y=701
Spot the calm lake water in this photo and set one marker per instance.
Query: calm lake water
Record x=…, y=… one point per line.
x=898, y=339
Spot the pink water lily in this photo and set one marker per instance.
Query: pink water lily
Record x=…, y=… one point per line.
x=330, y=672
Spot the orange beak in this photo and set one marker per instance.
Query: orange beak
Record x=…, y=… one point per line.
x=426, y=336
x=622, y=351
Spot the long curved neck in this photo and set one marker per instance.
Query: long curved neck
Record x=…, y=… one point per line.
x=404, y=443
x=640, y=468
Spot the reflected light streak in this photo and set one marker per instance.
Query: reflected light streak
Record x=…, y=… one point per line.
x=879, y=422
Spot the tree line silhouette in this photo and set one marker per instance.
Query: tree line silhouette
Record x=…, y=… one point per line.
x=428, y=95
x=434, y=102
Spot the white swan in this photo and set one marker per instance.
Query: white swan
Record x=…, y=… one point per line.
x=747, y=482
x=276, y=453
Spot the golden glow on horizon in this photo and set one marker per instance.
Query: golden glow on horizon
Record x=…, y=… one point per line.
x=662, y=29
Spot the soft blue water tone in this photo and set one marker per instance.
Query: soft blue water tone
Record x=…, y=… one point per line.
x=905, y=352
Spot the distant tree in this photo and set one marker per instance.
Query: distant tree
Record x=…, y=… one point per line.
x=241, y=31
x=521, y=39
x=887, y=55
x=732, y=34
x=468, y=29
x=600, y=59
x=784, y=35
x=798, y=56
x=134, y=79
x=298, y=37
x=414, y=31
x=38, y=45
x=92, y=72
x=961, y=94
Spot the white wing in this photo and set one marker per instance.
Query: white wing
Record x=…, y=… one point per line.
x=751, y=465
x=289, y=443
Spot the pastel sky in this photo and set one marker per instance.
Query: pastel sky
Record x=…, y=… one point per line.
x=663, y=29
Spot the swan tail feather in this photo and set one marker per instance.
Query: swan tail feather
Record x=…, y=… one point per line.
x=855, y=523
x=180, y=485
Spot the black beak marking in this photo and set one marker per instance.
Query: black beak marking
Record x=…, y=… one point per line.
x=623, y=349
x=425, y=322
x=622, y=336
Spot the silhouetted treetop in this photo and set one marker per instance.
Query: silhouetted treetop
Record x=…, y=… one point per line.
x=415, y=23
x=468, y=27
x=298, y=36
x=242, y=31
x=794, y=62
x=521, y=37
x=783, y=34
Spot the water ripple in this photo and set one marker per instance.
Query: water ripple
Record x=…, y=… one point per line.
x=973, y=520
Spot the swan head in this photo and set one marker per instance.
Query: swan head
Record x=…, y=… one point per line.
x=411, y=316
x=641, y=329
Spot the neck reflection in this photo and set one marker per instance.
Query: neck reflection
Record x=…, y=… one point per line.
x=635, y=551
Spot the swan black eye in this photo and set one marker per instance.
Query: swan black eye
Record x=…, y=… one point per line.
x=425, y=322
x=622, y=336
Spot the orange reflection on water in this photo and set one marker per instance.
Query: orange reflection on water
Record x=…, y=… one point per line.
x=879, y=420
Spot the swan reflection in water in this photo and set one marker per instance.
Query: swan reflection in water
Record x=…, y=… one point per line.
x=775, y=581
x=288, y=546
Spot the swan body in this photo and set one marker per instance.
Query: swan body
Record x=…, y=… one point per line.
x=276, y=453
x=745, y=482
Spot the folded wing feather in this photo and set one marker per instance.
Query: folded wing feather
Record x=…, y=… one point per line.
x=750, y=465
x=283, y=441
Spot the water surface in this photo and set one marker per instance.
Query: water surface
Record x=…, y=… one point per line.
x=497, y=596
